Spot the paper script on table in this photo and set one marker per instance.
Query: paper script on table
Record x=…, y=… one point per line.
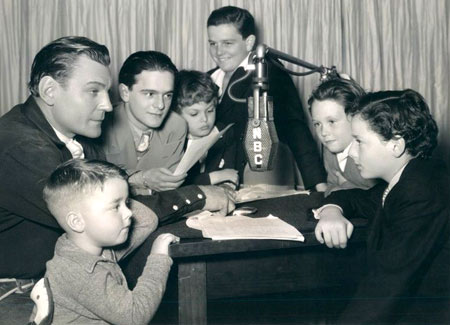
x=248, y=193
x=197, y=148
x=242, y=227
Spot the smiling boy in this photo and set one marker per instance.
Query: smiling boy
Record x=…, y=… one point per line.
x=231, y=37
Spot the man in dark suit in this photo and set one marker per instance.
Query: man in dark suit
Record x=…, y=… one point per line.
x=231, y=35
x=69, y=86
x=408, y=248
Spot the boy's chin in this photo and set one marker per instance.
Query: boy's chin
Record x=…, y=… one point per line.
x=335, y=150
x=202, y=133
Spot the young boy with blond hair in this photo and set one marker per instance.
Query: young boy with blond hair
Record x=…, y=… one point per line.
x=89, y=199
x=196, y=99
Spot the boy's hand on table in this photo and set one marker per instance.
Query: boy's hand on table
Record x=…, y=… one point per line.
x=333, y=228
x=162, y=242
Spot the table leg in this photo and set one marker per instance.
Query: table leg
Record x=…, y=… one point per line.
x=192, y=293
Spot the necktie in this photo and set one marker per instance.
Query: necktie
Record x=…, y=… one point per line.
x=75, y=149
x=143, y=143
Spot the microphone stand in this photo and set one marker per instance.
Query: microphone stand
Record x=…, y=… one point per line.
x=261, y=139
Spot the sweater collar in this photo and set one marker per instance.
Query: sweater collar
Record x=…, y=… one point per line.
x=67, y=248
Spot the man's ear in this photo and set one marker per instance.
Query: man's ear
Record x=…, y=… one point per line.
x=48, y=89
x=124, y=92
x=250, y=42
x=75, y=221
x=398, y=146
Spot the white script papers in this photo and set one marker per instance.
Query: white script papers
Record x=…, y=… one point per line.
x=241, y=227
x=248, y=193
x=197, y=148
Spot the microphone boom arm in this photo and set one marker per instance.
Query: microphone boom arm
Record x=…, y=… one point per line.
x=273, y=54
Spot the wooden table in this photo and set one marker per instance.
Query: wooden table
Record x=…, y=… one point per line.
x=236, y=268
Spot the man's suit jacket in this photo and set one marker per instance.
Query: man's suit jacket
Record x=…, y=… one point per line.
x=165, y=147
x=408, y=247
x=29, y=152
x=221, y=155
x=351, y=174
x=290, y=122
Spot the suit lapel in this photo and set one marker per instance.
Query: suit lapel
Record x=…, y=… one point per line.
x=124, y=138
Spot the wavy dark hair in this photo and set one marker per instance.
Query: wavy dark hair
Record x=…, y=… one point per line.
x=194, y=87
x=144, y=61
x=402, y=113
x=242, y=19
x=58, y=59
x=345, y=92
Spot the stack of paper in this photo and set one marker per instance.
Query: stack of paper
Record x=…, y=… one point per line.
x=241, y=227
x=249, y=193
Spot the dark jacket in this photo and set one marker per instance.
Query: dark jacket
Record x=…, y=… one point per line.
x=408, y=247
x=29, y=152
x=290, y=122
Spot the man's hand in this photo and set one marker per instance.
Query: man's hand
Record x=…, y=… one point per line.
x=333, y=228
x=321, y=187
x=224, y=175
x=162, y=179
x=217, y=200
x=162, y=242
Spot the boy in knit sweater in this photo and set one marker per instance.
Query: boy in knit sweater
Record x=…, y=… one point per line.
x=89, y=199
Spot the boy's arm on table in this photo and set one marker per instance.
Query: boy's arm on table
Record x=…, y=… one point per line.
x=333, y=228
x=144, y=223
x=418, y=231
x=115, y=303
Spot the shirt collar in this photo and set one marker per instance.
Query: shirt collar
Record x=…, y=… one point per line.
x=218, y=75
x=61, y=136
x=396, y=177
x=344, y=154
x=68, y=249
x=393, y=182
x=342, y=157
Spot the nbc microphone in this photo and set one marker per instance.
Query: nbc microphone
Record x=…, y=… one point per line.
x=261, y=140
